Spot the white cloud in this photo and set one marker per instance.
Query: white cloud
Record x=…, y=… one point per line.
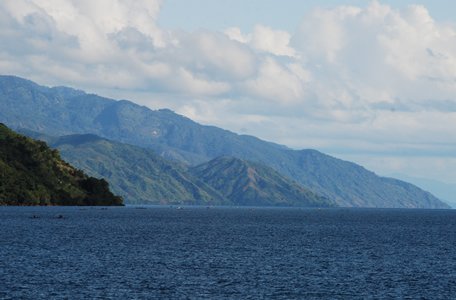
x=235, y=34
x=272, y=41
x=324, y=33
x=214, y=55
x=97, y=19
x=379, y=54
x=190, y=84
x=353, y=78
x=276, y=82
x=264, y=39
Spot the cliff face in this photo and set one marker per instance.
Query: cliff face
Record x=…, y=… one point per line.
x=33, y=174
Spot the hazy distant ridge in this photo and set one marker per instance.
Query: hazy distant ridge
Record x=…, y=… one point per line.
x=60, y=111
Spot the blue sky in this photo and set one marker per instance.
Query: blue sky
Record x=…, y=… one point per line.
x=280, y=14
x=368, y=81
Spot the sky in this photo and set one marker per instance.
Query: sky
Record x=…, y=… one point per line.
x=373, y=82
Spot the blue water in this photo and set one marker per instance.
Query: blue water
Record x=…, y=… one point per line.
x=226, y=253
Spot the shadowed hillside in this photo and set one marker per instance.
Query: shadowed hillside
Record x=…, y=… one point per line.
x=33, y=174
x=139, y=175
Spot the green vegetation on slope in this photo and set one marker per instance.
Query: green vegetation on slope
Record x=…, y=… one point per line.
x=141, y=176
x=247, y=183
x=138, y=174
x=33, y=174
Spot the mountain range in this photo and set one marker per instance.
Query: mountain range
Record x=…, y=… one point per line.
x=141, y=176
x=62, y=111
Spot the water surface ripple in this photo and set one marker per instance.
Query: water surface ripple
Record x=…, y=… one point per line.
x=226, y=253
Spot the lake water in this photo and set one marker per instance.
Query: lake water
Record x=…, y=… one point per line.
x=226, y=253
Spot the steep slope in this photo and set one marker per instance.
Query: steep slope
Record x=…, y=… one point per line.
x=33, y=174
x=247, y=183
x=352, y=185
x=138, y=174
x=172, y=136
x=443, y=190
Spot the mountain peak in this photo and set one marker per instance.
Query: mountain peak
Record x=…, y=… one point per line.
x=249, y=183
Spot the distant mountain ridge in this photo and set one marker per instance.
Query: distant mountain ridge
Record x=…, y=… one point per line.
x=172, y=135
x=178, y=138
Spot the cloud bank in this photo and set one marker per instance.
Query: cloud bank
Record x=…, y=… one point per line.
x=357, y=82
